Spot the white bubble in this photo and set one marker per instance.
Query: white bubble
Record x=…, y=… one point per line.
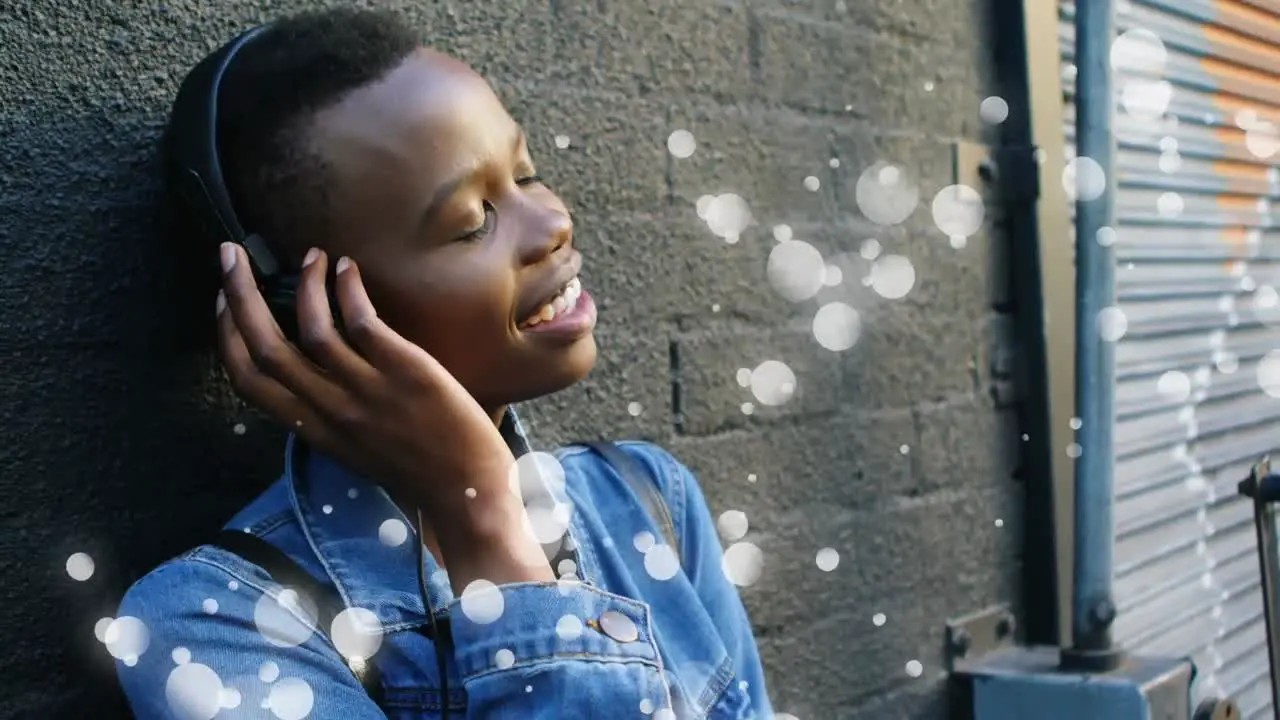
x=743, y=563
x=878, y=619
x=291, y=699
x=80, y=566
x=1169, y=162
x=547, y=519
x=796, y=270
x=1138, y=51
x=928, y=86
x=959, y=241
x=661, y=562
x=904, y=449
x=993, y=110
x=1146, y=100
x=772, y=382
x=1174, y=385
x=356, y=633
x=1169, y=204
x=643, y=541
x=1269, y=373
x=751, y=477
x=286, y=620
x=743, y=376
x=353, y=493
x=812, y=183
x=100, y=628
x=832, y=276
x=180, y=656
x=1075, y=450
x=728, y=215
x=470, y=492
x=892, y=276
x=567, y=567
x=238, y=428
x=664, y=714
x=504, y=659
x=1084, y=179
x=828, y=559
x=869, y=249
x=646, y=706
x=1226, y=362
x=837, y=326
x=834, y=162
x=1262, y=138
x=732, y=525
x=1106, y=236
x=885, y=194
x=748, y=408
x=193, y=692
x=1112, y=323
x=704, y=202
x=268, y=672
x=569, y=628
x=999, y=522
x=393, y=532
x=782, y=233
x=210, y=606
x=681, y=143
x=326, y=509
x=229, y=698
x=562, y=141
x=126, y=637
x=914, y=668
x=958, y=210
x=482, y=602
x=1076, y=423
x=534, y=473
x=634, y=409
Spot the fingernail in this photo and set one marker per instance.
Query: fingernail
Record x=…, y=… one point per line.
x=222, y=301
x=228, y=256
x=311, y=256
x=343, y=264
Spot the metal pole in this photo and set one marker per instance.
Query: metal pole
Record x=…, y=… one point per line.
x=1092, y=605
x=1261, y=486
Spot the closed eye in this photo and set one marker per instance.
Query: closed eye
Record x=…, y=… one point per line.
x=486, y=227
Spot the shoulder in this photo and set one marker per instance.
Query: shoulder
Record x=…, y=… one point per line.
x=677, y=485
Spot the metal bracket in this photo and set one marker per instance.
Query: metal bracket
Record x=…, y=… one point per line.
x=977, y=634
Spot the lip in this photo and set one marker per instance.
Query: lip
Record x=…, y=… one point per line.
x=571, y=325
x=547, y=288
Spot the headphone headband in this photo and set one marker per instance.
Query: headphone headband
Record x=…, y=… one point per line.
x=194, y=161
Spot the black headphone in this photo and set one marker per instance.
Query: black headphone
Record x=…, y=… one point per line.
x=194, y=169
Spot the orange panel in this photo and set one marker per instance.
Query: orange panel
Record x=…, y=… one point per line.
x=1248, y=20
x=1246, y=51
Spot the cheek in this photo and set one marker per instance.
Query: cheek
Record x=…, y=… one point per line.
x=450, y=313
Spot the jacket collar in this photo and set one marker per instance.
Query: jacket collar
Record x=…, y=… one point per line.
x=364, y=542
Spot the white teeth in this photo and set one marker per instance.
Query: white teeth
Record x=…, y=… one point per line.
x=567, y=300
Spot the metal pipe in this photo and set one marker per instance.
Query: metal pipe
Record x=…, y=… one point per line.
x=1093, y=606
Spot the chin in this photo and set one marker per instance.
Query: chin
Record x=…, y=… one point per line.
x=561, y=371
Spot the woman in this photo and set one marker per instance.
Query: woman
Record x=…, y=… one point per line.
x=391, y=177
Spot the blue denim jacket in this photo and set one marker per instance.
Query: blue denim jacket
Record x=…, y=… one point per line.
x=223, y=641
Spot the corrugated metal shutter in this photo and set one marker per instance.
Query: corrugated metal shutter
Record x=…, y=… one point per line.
x=1196, y=251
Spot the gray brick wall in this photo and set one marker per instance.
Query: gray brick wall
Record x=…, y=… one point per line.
x=117, y=445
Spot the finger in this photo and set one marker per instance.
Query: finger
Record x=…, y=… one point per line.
x=387, y=350
x=318, y=337
x=259, y=389
x=271, y=353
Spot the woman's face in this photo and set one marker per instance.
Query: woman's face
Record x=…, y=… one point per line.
x=432, y=192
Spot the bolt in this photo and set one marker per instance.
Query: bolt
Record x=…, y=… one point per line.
x=1006, y=626
x=987, y=170
x=1104, y=612
x=960, y=642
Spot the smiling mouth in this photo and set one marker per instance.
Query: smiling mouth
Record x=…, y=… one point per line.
x=562, y=303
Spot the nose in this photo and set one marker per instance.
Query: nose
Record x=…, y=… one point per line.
x=548, y=230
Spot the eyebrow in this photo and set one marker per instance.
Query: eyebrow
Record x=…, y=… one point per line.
x=447, y=190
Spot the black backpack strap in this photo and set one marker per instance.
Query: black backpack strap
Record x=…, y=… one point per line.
x=644, y=485
x=286, y=571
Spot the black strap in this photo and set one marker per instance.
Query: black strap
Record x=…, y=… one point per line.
x=644, y=485
x=286, y=571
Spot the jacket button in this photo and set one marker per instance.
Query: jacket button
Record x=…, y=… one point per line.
x=618, y=626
